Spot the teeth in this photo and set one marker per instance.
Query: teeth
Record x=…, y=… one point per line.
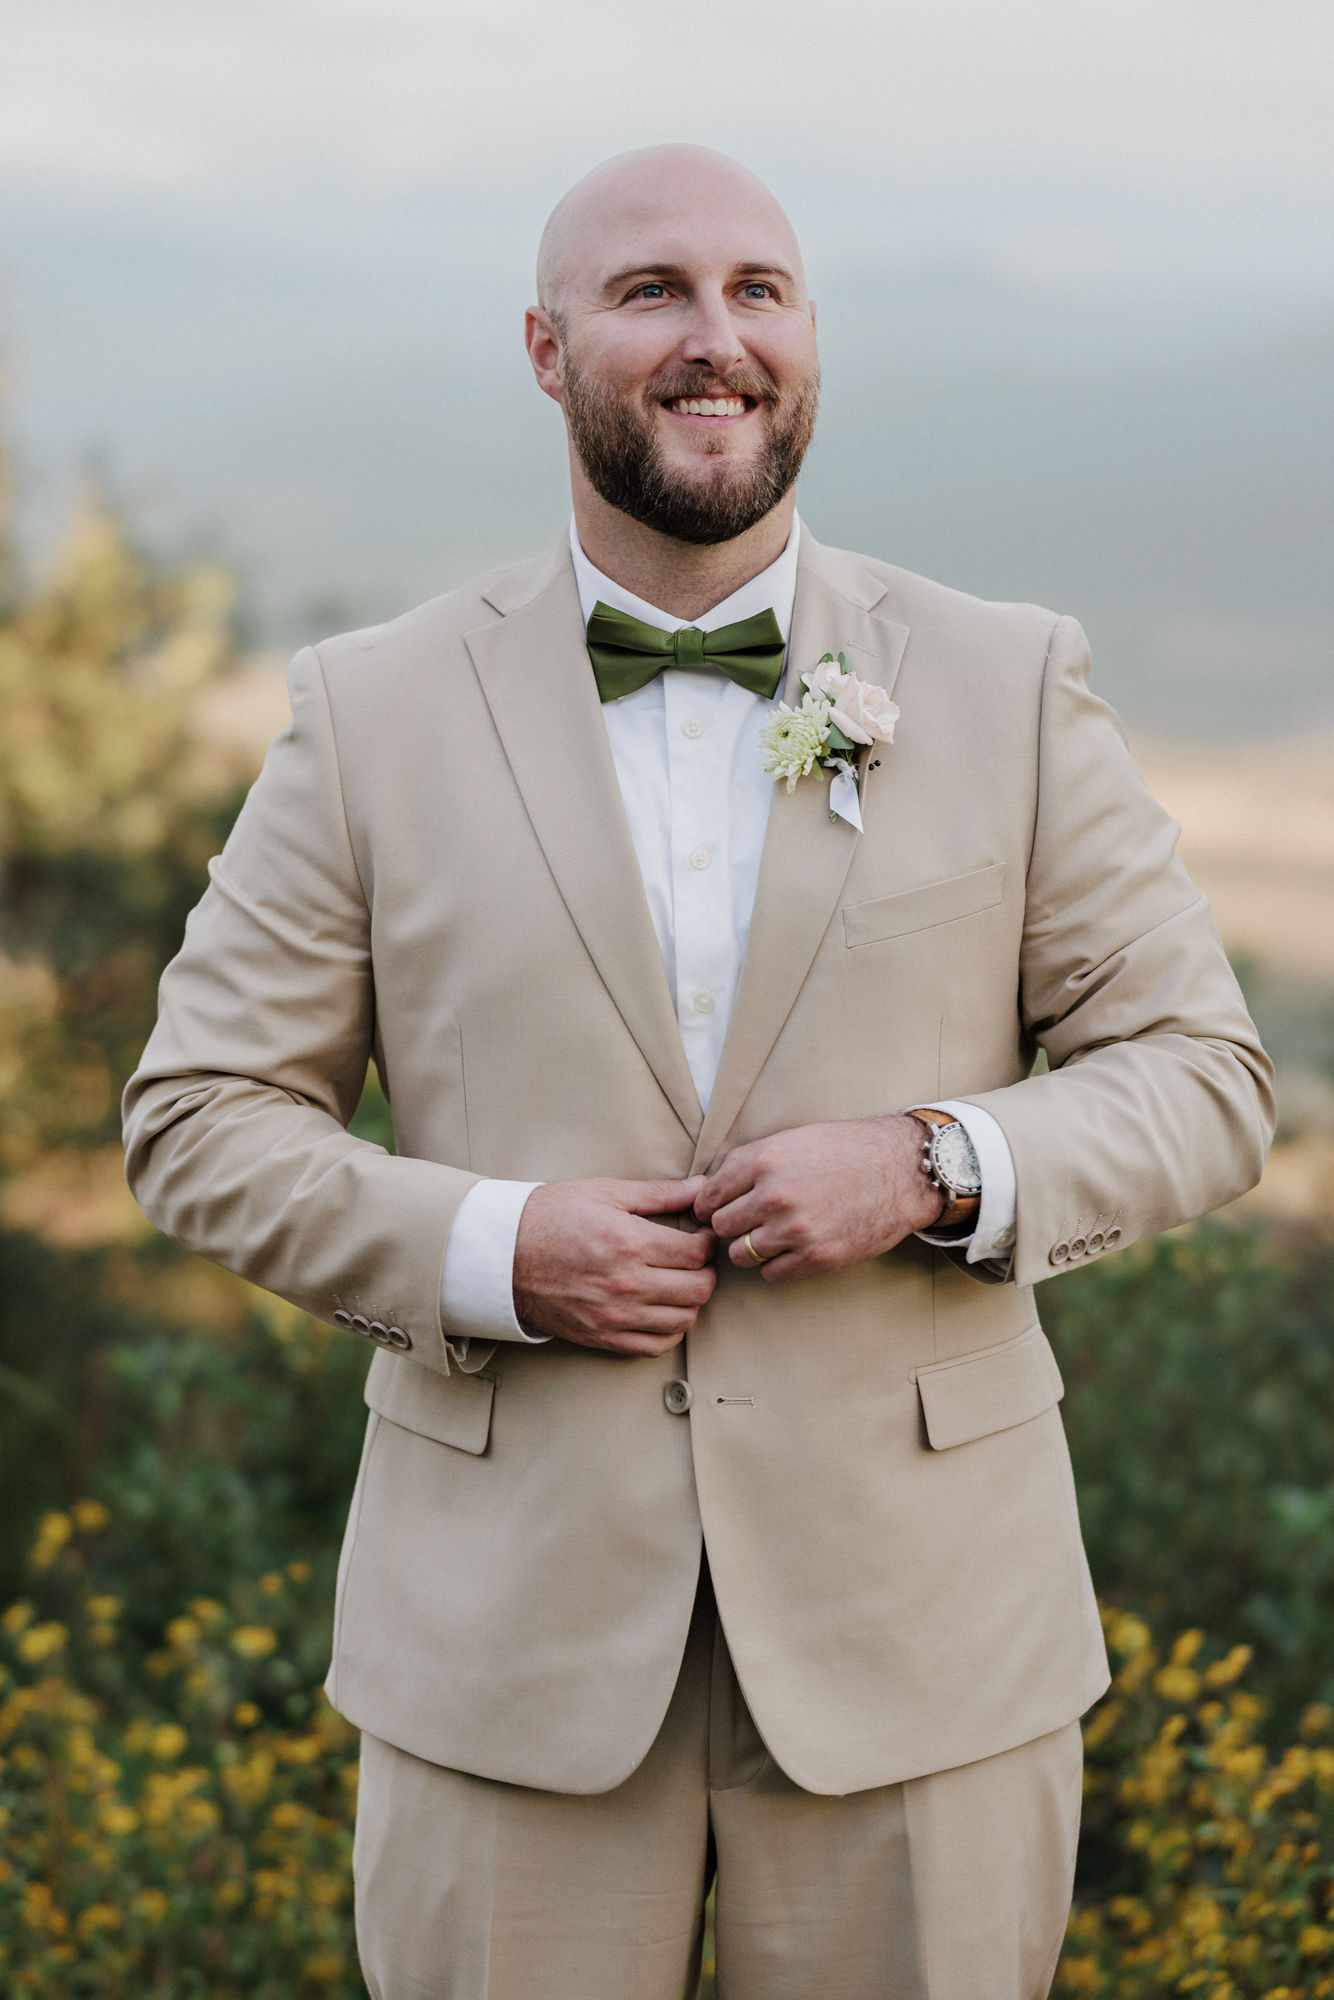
x=705, y=406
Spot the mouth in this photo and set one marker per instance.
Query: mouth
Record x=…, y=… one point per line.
x=711, y=410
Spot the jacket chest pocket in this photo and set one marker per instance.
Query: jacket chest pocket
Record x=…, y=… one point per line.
x=922, y=909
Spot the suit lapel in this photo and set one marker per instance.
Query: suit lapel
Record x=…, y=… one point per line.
x=806, y=856
x=534, y=671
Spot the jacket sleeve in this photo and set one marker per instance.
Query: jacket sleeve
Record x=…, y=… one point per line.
x=1158, y=1101
x=235, y=1121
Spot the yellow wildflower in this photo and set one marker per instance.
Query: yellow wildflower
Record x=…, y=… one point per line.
x=208, y=1611
x=117, y=1819
x=1313, y=1939
x=104, y=1608
x=299, y=1572
x=168, y=1740
x=53, y=1531
x=41, y=1642
x=97, y=1917
x=91, y=1516
x=1318, y=1719
x=324, y=1967
x=149, y=1905
x=1128, y=1635
x=245, y=1715
x=183, y=1633
x=17, y=1617
x=271, y=1583
x=1177, y=1683
x=1223, y=1672
x=254, y=1642
x=287, y=1816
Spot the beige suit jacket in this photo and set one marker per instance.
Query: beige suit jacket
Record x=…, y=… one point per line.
x=435, y=866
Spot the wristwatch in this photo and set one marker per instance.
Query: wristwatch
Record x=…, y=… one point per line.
x=951, y=1165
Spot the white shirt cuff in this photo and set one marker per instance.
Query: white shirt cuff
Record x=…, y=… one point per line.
x=477, y=1280
x=993, y=1232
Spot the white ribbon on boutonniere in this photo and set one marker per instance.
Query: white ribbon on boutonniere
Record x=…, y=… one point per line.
x=839, y=715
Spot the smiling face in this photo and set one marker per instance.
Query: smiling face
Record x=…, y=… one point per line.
x=676, y=334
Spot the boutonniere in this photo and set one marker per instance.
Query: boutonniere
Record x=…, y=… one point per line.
x=839, y=715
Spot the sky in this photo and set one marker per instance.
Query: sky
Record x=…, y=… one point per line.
x=264, y=267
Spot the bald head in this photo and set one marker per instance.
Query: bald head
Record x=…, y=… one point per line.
x=650, y=207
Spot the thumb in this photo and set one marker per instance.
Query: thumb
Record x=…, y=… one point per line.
x=660, y=1197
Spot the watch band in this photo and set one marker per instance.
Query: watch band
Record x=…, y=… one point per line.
x=959, y=1207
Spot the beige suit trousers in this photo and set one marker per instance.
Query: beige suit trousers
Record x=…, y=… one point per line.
x=949, y=1887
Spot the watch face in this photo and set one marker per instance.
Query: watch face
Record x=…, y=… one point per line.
x=955, y=1161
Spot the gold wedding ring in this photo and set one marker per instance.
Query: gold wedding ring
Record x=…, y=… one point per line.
x=753, y=1251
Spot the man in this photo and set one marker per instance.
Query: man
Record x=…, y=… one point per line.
x=714, y=1512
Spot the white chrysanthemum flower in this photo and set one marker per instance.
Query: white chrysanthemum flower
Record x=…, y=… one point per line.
x=794, y=739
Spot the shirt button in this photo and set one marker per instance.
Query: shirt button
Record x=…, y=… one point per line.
x=1004, y=1238
x=704, y=1003
x=692, y=728
x=700, y=857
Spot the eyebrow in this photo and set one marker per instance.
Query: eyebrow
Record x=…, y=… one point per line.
x=648, y=271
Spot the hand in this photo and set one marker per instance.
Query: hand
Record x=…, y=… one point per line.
x=589, y=1267
x=820, y=1197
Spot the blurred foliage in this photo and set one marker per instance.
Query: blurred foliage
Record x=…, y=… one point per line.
x=1207, y=1858
x=178, y=1822
x=106, y=819
x=1199, y=1374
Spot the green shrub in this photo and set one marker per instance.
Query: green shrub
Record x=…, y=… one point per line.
x=1199, y=1404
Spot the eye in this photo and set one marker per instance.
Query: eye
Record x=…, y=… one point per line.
x=757, y=290
x=651, y=290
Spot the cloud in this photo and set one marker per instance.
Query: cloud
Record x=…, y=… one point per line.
x=183, y=93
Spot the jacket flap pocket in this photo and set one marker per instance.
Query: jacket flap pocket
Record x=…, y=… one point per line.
x=918, y=909
x=976, y=1394
x=453, y=1409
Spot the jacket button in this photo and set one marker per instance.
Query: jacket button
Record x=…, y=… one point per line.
x=1096, y=1242
x=398, y=1338
x=678, y=1396
x=361, y=1325
x=1113, y=1237
x=1077, y=1246
x=379, y=1333
x=343, y=1319
x=1059, y=1253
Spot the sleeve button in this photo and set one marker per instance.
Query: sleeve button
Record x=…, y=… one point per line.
x=343, y=1318
x=399, y=1339
x=1096, y=1242
x=1077, y=1246
x=1060, y=1253
x=361, y=1325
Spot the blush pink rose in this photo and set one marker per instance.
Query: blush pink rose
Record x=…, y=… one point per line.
x=863, y=711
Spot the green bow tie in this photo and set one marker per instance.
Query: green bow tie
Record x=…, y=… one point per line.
x=628, y=654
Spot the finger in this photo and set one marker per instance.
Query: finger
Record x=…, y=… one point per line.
x=748, y=1211
x=678, y=1249
x=637, y=1345
x=732, y=1178
x=669, y=1321
x=675, y=1288
x=658, y=1197
x=767, y=1244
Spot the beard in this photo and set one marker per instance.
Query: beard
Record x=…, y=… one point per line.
x=618, y=447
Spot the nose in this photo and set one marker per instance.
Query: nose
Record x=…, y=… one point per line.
x=711, y=340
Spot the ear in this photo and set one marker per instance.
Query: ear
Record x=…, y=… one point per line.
x=543, y=346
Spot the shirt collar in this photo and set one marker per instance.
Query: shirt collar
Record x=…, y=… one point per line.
x=774, y=589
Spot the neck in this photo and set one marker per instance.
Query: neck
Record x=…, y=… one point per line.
x=684, y=579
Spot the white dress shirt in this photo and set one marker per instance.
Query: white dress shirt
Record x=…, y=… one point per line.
x=687, y=755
